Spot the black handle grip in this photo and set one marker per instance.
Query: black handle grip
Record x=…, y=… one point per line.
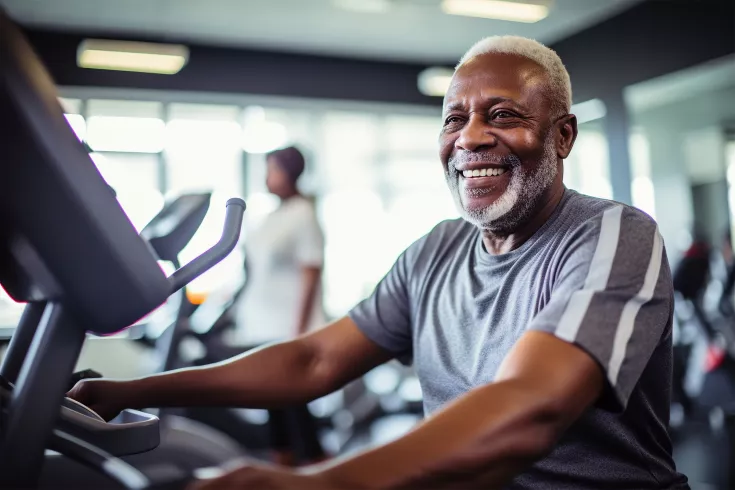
x=220, y=250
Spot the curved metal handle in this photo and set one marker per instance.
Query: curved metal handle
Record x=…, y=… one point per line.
x=220, y=250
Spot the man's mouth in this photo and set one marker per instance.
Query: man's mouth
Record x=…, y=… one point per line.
x=483, y=172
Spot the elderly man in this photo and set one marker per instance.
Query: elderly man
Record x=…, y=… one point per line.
x=539, y=324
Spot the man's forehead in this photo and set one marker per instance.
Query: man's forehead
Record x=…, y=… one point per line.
x=496, y=75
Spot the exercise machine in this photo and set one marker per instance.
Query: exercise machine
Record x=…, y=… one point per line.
x=68, y=251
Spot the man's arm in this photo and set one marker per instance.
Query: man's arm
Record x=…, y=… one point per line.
x=310, y=278
x=490, y=434
x=286, y=373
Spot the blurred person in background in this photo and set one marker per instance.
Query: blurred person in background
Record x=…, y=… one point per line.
x=281, y=298
x=691, y=276
x=284, y=258
x=726, y=305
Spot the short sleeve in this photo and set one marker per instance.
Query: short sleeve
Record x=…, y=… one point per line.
x=612, y=297
x=309, y=247
x=385, y=316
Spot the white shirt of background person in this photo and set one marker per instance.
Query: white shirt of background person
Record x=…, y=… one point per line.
x=280, y=252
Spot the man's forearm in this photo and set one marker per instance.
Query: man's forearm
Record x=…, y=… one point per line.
x=272, y=376
x=489, y=434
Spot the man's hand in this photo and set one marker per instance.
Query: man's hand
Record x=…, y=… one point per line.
x=265, y=477
x=107, y=398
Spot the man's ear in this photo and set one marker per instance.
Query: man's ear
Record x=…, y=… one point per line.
x=566, y=135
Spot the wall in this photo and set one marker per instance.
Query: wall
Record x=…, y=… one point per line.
x=687, y=148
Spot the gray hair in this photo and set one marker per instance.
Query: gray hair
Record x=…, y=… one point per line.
x=560, y=84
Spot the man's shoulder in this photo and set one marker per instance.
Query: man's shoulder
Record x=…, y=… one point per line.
x=449, y=230
x=581, y=210
x=445, y=235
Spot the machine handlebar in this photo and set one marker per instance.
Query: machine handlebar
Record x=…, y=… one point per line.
x=220, y=250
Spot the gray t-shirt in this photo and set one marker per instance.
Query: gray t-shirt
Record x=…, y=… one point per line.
x=595, y=274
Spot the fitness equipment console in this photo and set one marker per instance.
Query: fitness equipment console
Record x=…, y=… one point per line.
x=69, y=251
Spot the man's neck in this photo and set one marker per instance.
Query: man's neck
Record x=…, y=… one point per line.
x=287, y=196
x=500, y=243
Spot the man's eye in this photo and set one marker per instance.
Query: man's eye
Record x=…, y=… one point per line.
x=502, y=114
x=452, y=120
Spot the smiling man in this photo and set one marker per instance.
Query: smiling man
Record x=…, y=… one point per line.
x=539, y=323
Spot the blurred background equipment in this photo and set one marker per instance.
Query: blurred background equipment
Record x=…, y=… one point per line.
x=174, y=98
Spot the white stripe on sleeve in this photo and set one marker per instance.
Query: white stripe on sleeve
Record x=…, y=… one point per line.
x=597, y=276
x=627, y=319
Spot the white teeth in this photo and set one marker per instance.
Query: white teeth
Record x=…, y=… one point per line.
x=485, y=172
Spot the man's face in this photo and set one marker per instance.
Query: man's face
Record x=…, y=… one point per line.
x=497, y=143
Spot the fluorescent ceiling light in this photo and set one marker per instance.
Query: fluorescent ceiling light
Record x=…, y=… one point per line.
x=365, y=6
x=100, y=54
x=435, y=81
x=496, y=9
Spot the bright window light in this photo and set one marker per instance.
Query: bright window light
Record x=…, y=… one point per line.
x=126, y=134
x=496, y=9
x=259, y=134
x=100, y=54
x=210, y=137
x=590, y=110
x=78, y=125
x=642, y=190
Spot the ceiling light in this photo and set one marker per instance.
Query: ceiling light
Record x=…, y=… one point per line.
x=435, y=81
x=100, y=54
x=366, y=6
x=496, y=9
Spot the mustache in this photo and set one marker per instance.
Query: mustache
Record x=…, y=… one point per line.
x=486, y=157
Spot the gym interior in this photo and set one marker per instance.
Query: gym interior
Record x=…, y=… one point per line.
x=174, y=100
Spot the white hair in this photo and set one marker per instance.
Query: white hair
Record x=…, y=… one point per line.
x=560, y=84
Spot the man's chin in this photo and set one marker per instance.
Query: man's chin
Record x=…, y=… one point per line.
x=479, y=203
x=489, y=212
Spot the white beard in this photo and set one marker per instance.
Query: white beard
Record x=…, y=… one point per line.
x=520, y=198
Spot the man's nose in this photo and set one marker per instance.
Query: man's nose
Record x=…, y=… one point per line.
x=476, y=135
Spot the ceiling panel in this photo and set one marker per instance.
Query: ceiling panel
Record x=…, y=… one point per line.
x=410, y=30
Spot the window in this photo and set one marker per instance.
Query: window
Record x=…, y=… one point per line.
x=135, y=179
x=375, y=175
x=381, y=192
x=640, y=162
x=203, y=154
x=587, y=169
